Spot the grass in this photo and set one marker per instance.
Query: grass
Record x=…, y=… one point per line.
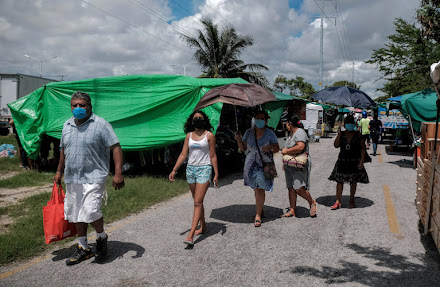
x=27, y=178
x=26, y=236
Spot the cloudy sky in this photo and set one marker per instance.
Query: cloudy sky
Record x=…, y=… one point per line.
x=101, y=38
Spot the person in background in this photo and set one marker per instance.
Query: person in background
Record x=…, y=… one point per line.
x=86, y=142
x=375, y=130
x=349, y=167
x=364, y=128
x=199, y=147
x=297, y=180
x=25, y=161
x=253, y=166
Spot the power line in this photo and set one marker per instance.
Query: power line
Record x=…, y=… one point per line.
x=343, y=29
x=154, y=13
x=135, y=27
x=190, y=13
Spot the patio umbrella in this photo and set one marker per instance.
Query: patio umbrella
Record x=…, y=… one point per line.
x=247, y=95
x=345, y=96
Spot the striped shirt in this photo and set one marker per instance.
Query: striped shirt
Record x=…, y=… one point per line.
x=86, y=150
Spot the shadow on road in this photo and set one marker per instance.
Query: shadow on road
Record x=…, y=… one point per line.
x=329, y=200
x=244, y=213
x=405, y=163
x=230, y=178
x=116, y=249
x=401, y=270
x=399, y=151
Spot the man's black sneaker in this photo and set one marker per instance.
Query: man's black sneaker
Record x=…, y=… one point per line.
x=80, y=255
x=101, y=249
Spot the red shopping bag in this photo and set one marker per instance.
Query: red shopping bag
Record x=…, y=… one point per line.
x=55, y=226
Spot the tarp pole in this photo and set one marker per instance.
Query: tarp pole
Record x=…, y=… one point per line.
x=412, y=130
x=236, y=121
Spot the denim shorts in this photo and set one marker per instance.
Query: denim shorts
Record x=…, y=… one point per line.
x=198, y=174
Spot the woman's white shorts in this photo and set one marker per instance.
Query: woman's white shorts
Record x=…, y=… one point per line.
x=83, y=202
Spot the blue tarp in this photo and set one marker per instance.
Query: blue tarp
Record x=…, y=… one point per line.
x=395, y=99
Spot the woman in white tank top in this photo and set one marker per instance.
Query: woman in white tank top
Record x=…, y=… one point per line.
x=199, y=148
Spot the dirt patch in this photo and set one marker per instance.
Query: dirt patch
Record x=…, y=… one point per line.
x=8, y=175
x=12, y=196
x=5, y=222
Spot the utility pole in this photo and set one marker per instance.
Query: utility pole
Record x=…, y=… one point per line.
x=321, y=50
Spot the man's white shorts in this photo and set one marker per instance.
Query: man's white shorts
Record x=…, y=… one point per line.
x=83, y=202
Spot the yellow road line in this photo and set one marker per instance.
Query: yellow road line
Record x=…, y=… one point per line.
x=19, y=269
x=379, y=157
x=41, y=259
x=391, y=212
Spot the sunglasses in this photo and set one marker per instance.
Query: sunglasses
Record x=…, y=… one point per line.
x=198, y=118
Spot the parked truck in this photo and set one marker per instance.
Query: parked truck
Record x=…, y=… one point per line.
x=13, y=87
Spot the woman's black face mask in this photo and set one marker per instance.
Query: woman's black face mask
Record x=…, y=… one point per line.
x=198, y=123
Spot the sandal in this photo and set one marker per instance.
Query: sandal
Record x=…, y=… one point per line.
x=257, y=223
x=289, y=214
x=313, y=209
x=335, y=206
x=352, y=204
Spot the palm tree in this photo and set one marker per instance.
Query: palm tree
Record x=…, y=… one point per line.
x=218, y=54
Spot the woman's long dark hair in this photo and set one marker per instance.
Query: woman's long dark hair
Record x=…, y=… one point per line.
x=189, y=125
x=294, y=121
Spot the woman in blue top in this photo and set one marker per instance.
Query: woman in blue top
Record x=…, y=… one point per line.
x=253, y=167
x=199, y=147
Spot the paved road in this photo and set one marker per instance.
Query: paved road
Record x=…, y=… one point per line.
x=365, y=246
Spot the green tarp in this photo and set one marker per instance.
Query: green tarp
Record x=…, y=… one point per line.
x=146, y=111
x=275, y=109
x=420, y=106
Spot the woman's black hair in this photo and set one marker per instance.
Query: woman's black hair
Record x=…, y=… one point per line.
x=349, y=119
x=189, y=125
x=294, y=120
x=263, y=112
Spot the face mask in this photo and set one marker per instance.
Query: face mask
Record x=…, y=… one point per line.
x=198, y=123
x=259, y=123
x=350, y=127
x=79, y=113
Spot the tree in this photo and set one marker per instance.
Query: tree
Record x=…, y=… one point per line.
x=345, y=83
x=429, y=17
x=296, y=86
x=405, y=60
x=218, y=53
x=381, y=99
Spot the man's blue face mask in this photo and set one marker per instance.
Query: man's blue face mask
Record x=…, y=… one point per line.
x=79, y=113
x=350, y=127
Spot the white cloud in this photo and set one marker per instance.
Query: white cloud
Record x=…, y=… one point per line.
x=90, y=42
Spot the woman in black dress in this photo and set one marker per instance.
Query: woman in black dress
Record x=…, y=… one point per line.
x=349, y=167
